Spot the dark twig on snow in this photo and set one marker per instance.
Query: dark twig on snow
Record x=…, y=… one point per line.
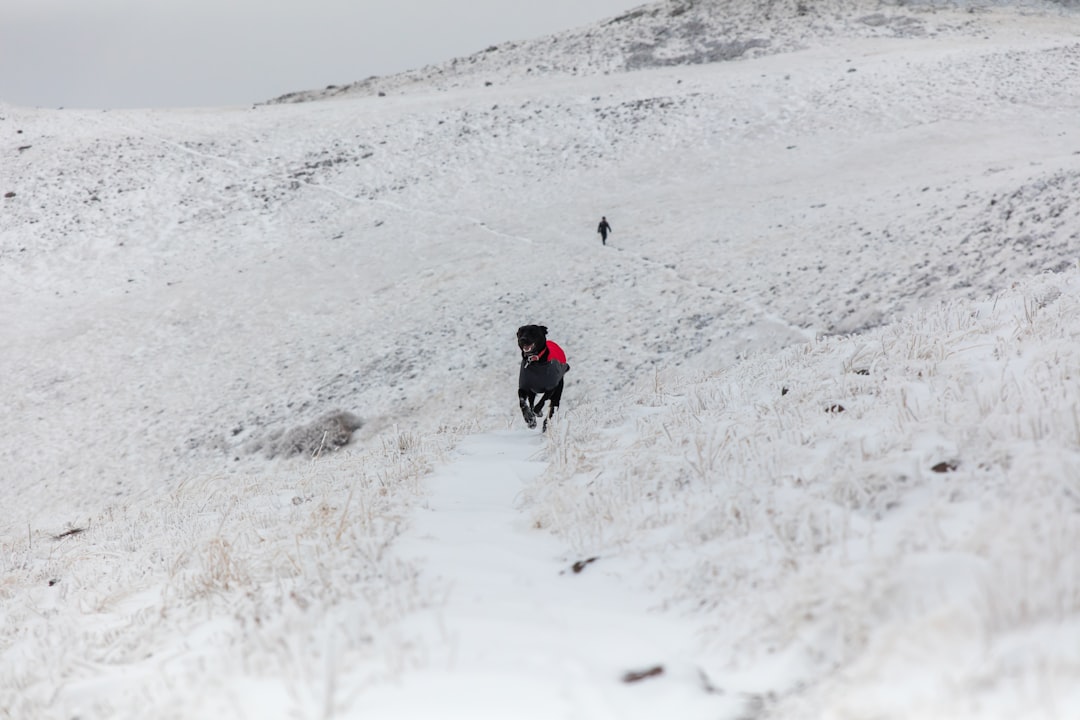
x=69, y=533
x=633, y=676
x=580, y=564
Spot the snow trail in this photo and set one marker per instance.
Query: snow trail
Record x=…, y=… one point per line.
x=521, y=634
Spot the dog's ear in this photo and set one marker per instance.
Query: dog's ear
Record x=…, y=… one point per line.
x=543, y=329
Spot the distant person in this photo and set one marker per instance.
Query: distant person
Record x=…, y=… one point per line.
x=603, y=229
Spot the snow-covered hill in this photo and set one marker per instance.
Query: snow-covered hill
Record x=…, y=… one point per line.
x=186, y=292
x=694, y=32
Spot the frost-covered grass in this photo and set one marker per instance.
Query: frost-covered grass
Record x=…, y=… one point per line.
x=899, y=507
x=217, y=583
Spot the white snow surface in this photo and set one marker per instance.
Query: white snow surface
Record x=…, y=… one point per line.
x=819, y=448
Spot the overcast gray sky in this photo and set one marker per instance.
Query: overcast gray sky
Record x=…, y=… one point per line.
x=175, y=53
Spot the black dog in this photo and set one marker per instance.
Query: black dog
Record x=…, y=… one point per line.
x=543, y=364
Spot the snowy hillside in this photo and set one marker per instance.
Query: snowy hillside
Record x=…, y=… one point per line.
x=695, y=32
x=818, y=440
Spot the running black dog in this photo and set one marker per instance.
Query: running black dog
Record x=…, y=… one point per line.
x=543, y=364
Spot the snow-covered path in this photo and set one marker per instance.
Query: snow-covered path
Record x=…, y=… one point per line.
x=521, y=634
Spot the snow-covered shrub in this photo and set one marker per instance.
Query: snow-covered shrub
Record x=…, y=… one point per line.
x=329, y=432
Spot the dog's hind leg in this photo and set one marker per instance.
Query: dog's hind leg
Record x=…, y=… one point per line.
x=550, y=414
x=525, y=401
x=554, y=395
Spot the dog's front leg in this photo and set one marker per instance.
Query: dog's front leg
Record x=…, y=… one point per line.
x=525, y=401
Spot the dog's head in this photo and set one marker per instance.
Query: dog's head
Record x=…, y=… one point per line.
x=532, y=339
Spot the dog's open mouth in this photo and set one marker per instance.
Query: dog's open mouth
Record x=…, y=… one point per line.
x=528, y=348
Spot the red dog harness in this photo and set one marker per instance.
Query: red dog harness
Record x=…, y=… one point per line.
x=555, y=352
x=551, y=352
